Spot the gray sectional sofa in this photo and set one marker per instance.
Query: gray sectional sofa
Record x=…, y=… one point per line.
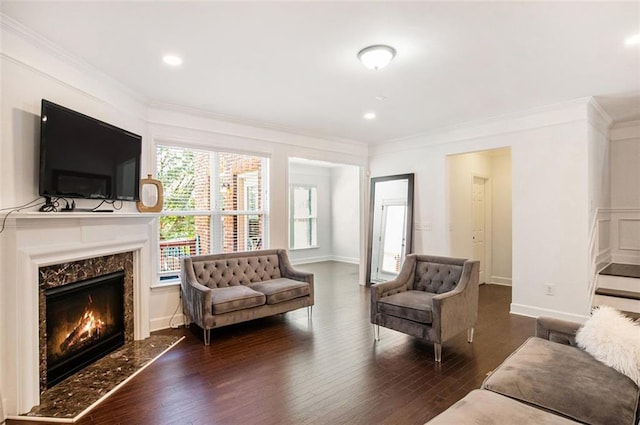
x=223, y=289
x=549, y=380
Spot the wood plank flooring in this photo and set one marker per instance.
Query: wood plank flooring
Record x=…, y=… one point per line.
x=289, y=370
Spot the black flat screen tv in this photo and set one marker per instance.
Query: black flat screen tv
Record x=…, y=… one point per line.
x=82, y=157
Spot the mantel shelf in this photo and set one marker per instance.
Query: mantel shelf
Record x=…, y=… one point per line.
x=37, y=215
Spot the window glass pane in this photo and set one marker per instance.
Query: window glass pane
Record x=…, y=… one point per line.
x=185, y=176
x=304, y=222
x=242, y=232
x=180, y=236
x=240, y=182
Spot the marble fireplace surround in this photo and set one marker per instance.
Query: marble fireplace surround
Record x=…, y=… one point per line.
x=37, y=240
x=58, y=275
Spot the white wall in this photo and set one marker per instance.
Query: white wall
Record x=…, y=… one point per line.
x=345, y=213
x=501, y=226
x=549, y=154
x=625, y=169
x=623, y=239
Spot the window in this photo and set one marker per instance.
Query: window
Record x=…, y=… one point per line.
x=213, y=202
x=303, y=217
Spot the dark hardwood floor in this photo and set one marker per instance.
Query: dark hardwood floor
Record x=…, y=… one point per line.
x=289, y=370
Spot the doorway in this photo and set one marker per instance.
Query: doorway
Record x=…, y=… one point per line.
x=324, y=211
x=479, y=185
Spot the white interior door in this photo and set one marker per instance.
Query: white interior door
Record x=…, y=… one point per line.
x=479, y=220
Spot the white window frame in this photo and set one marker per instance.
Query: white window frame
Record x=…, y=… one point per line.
x=215, y=213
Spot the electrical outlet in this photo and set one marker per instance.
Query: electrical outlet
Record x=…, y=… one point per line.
x=549, y=289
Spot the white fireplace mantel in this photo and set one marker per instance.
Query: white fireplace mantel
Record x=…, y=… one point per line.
x=32, y=240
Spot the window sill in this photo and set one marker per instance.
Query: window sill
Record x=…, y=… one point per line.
x=304, y=249
x=166, y=284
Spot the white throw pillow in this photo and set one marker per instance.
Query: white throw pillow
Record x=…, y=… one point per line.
x=613, y=339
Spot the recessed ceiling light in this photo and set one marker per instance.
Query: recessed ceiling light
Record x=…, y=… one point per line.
x=369, y=115
x=380, y=98
x=172, y=60
x=633, y=40
x=376, y=57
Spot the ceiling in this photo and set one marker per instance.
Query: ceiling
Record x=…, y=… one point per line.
x=293, y=65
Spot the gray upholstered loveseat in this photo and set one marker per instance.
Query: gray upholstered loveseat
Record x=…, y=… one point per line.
x=223, y=289
x=433, y=298
x=548, y=380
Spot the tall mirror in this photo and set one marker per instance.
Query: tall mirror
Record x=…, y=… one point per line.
x=390, y=226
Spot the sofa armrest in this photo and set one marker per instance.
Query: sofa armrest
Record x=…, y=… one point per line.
x=400, y=284
x=196, y=298
x=457, y=310
x=556, y=330
x=288, y=271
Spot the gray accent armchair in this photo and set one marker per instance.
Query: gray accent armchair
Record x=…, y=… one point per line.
x=433, y=298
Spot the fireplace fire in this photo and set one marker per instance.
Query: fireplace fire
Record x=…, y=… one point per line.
x=85, y=321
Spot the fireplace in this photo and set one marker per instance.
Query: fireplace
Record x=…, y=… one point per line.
x=85, y=321
x=86, y=311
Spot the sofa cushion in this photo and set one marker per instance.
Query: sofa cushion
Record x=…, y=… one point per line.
x=235, y=298
x=435, y=277
x=567, y=381
x=411, y=305
x=282, y=289
x=487, y=408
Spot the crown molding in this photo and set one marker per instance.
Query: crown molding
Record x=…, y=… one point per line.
x=625, y=131
x=214, y=116
x=67, y=58
x=548, y=115
x=598, y=116
x=63, y=55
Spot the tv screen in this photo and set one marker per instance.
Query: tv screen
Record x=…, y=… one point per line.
x=82, y=157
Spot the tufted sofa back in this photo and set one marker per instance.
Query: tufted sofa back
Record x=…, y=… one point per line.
x=224, y=272
x=436, y=278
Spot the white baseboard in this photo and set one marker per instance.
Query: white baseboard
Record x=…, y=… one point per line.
x=499, y=280
x=530, y=311
x=323, y=258
x=309, y=260
x=348, y=260
x=166, y=322
x=626, y=258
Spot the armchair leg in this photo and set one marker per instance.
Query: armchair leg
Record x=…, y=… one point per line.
x=207, y=336
x=470, y=335
x=376, y=332
x=309, y=312
x=438, y=350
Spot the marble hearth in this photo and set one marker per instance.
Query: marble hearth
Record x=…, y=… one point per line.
x=35, y=241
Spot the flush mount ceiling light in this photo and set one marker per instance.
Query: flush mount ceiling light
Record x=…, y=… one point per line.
x=172, y=60
x=376, y=57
